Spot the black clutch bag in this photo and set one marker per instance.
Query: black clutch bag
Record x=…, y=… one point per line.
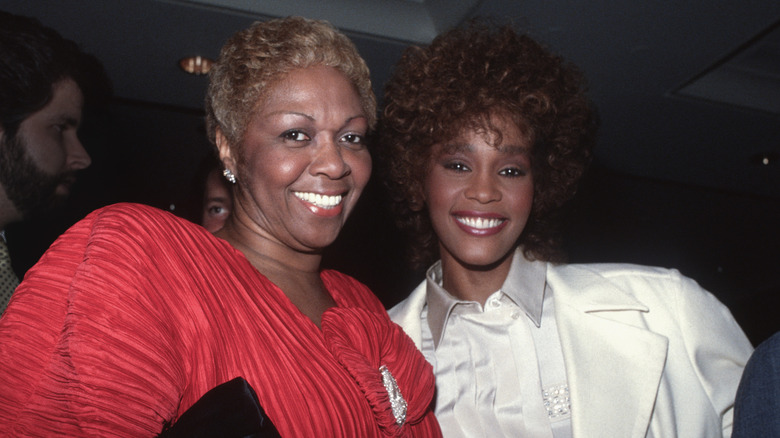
x=228, y=410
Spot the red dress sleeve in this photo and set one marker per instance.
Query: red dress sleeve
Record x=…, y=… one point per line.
x=364, y=340
x=74, y=360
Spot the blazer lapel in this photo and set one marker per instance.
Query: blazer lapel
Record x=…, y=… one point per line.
x=614, y=368
x=407, y=313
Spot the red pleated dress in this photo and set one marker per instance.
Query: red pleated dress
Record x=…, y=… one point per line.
x=133, y=314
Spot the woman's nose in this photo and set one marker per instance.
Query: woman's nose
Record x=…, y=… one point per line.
x=329, y=161
x=483, y=188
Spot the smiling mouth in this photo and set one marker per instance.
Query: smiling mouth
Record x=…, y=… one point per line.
x=479, y=223
x=320, y=201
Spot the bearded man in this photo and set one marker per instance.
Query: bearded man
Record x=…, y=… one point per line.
x=45, y=80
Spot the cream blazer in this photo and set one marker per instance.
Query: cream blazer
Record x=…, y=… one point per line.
x=648, y=352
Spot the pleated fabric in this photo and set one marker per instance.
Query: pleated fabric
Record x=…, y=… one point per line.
x=133, y=314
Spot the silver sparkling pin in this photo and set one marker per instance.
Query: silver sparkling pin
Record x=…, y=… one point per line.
x=556, y=400
x=397, y=401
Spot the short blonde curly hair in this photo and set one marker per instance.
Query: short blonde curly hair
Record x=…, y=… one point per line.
x=254, y=58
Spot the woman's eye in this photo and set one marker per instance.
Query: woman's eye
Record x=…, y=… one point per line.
x=295, y=135
x=356, y=139
x=456, y=166
x=217, y=210
x=512, y=172
x=353, y=141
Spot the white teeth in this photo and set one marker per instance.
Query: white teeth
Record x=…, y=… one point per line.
x=321, y=201
x=480, y=223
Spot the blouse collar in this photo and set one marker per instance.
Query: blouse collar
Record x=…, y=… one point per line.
x=524, y=285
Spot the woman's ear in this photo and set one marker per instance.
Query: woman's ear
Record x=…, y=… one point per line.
x=225, y=151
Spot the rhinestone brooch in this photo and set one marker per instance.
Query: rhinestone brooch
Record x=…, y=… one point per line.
x=556, y=400
x=397, y=401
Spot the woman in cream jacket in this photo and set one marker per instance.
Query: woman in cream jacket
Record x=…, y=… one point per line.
x=487, y=134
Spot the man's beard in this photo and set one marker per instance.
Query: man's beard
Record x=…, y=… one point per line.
x=32, y=190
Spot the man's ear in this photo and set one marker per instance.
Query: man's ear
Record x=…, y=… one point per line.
x=225, y=151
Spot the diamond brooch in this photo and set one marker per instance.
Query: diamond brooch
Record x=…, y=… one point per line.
x=397, y=401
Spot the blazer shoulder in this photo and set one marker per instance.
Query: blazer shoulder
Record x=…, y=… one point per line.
x=616, y=273
x=623, y=283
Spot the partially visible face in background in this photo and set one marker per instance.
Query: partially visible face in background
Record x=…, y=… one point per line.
x=217, y=202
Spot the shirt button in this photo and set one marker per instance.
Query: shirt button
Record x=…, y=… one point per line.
x=515, y=314
x=495, y=303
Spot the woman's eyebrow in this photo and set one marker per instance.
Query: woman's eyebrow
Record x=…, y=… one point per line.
x=291, y=113
x=453, y=147
x=514, y=149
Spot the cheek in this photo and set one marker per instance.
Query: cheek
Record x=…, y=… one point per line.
x=525, y=200
x=284, y=170
x=437, y=192
x=360, y=164
x=271, y=169
x=46, y=152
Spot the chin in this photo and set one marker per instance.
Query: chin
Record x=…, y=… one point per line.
x=483, y=261
x=318, y=243
x=61, y=192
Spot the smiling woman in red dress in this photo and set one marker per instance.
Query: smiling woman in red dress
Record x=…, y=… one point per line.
x=134, y=314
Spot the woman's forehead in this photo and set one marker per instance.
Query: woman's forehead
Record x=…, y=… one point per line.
x=499, y=130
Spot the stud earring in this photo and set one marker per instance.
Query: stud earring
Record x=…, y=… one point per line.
x=229, y=176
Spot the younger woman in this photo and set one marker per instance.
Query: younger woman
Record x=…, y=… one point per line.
x=488, y=134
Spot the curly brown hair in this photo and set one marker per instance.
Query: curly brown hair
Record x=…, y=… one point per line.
x=254, y=58
x=455, y=84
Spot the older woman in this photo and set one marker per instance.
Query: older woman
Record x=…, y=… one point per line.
x=488, y=134
x=134, y=314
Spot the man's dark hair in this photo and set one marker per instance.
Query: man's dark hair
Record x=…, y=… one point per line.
x=32, y=59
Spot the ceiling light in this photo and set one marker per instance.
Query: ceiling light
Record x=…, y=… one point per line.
x=196, y=65
x=766, y=158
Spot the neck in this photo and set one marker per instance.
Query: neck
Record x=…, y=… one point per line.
x=474, y=283
x=266, y=254
x=296, y=273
